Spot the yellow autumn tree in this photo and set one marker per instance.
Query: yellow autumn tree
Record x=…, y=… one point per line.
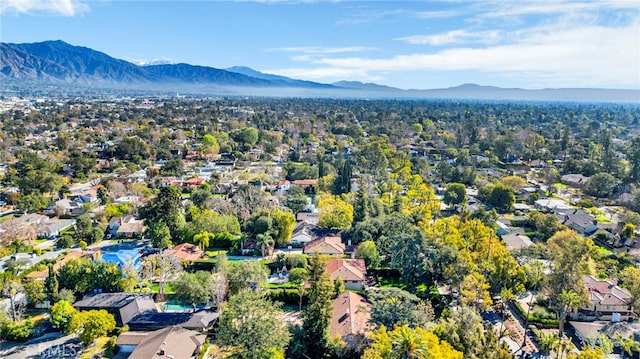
x=404, y=342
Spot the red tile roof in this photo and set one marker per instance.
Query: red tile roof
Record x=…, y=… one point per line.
x=350, y=315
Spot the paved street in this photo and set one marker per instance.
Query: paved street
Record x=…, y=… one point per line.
x=48, y=346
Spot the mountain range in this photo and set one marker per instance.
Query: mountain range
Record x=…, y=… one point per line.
x=59, y=64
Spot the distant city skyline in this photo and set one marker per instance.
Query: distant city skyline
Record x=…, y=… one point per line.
x=405, y=44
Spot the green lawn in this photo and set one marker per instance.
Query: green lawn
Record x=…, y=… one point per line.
x=155, y=288
x=391, y=282
x=99, y=349
x=287, y=285
x=604, y=251
x=602, y=219
x=215, y=251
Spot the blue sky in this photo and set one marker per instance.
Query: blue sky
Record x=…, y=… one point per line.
x=406, y=44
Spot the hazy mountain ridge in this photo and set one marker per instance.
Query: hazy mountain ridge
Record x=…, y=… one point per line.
x=62, y=64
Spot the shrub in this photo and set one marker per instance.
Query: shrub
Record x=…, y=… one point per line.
x=286, y=296
x=17, y=331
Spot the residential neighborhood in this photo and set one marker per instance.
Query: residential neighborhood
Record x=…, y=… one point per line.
x=172, y=221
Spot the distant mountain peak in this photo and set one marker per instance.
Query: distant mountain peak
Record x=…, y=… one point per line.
x=160, y=61
x=56, y=62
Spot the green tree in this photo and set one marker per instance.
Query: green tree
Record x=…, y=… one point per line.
x=84, y=275
x=335, y=213
x=84, y=224
x=391, y=307
x=103, y=195
x=193, y=288
x=628, y=346
x=629, y=230
x=249, y=136
x=92, y=324
x=342, y=183
x=51, y=284
x=34, y=290
x=250, y=324
x=202, y=239
x=245, y=275
x=210, y=144
x=602, y=185
x=33, y=203
x=633, y=155
x=497, y=195
x=167, y=208
x=160, y=235
x=368, y=251
x=514, y=182
x=570, y=255
x=65, y=241
x=298, y=276
x=317, y=315
x=61, y=314
x=455, y=194
x=630, y=277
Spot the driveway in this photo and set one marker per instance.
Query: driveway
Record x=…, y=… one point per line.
x=48, y=346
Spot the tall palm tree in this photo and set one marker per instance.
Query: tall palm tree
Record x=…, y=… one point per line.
x=628, y=346
x=546, y=342
x=407, y=344
x=562, y=347
x=506, y=297
x=202, y=239
x=569, y=301
x=265, y=242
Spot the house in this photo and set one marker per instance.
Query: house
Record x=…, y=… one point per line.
x=54, y=227
x=351, y=271
x=308, y=185
x=200, y=321
x=125, y=227
x=193, y=183
x=67, y=207
x=304, y=233
x=551, y=204
x=123, y=306
x=589, y=332
x=350, y=317
x=311, y=218
x=516, y=240
x=605, y=301
x=574, y=179
x=171, y=342
x=130, y=228
x=185, y=251
x=325, y=245
x=578, y=220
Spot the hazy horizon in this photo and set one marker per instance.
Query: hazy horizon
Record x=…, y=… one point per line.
x=408, y=45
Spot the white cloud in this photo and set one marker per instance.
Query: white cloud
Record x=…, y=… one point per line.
x=453, y=37
x=436, y=14
x=546, y=7
x=326, y=73
x=51, y=7
x=317, y=50
x=551, y=56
